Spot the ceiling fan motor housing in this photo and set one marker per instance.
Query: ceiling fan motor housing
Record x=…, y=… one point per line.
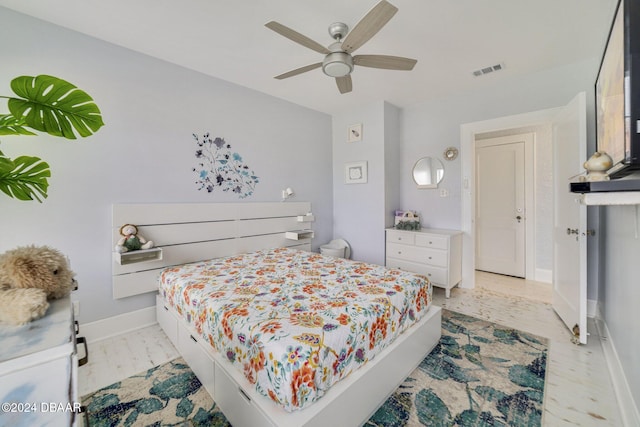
x=337, y=64
x=338, y=30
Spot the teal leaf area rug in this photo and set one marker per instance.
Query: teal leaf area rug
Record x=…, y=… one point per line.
x=480, y=374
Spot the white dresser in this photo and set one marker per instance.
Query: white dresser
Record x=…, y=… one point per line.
x=432, y=252
x=38, y=370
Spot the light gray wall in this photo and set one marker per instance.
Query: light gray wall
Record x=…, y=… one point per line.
x=146, y=152
x=392, y=147
x=358, y=209
x=620, y=289
x=363, y=211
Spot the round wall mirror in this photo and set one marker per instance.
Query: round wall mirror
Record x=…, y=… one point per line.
x=428, y=172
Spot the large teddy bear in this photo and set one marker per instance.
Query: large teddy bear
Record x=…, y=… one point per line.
x=29, y=277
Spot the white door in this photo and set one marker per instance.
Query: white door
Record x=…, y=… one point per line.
x=570, y=218
x=500, y=205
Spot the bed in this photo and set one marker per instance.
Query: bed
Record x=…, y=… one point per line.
x=295, y=322
x=311, y=358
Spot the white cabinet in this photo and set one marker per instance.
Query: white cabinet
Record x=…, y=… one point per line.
x=434, y=253
x=39, y=369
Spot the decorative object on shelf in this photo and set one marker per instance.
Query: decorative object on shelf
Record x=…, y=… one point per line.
x=407, y=220
x=287, y=193
x=355, y=173
x=221, y=168
x=428, y=172
x=131, y=240
x=46, y=104
x=597, y=166
x=29, y=277
x=451, y=153
x=355, y=133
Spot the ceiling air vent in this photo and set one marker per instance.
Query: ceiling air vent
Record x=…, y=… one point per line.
x=487, y=70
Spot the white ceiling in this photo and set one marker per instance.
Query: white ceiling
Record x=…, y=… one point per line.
x=449, y=38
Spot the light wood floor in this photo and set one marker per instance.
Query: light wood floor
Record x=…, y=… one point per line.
x=578, y=387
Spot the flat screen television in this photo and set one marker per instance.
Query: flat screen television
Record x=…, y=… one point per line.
x=617, y=91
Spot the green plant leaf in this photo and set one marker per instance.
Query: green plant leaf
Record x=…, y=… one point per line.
x=9, y=125
x=54, y=106
x=24, y=178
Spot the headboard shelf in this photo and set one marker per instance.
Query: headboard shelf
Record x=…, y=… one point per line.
x=194, y=232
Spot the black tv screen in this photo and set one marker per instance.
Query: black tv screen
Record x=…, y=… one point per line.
x=617, y=94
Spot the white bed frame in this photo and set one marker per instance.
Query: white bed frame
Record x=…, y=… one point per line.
x=205, y=231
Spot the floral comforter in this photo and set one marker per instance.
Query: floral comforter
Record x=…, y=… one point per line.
x=295, y=322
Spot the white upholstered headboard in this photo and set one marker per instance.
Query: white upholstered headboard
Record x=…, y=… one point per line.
x=198, y=231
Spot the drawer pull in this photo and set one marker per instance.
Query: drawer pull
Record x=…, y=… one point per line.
x=244, y=395
x=429, y=257
x=83, y=360
x=165, y=307
x=399, y=252
x=431, y=243
x=194, y=340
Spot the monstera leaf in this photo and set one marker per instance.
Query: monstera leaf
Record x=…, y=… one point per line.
x=47, y=104
x=9, y=125
x=24, y=178
x=54, y=106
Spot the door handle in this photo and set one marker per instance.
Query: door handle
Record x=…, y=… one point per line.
x=572, y=231
x=519, y=218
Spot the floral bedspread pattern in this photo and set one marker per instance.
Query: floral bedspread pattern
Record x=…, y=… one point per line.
x=295, y=322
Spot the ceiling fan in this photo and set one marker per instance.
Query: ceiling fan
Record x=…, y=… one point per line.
x=338, y=61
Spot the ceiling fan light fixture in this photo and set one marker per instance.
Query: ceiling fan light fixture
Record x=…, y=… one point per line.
x=337, y=64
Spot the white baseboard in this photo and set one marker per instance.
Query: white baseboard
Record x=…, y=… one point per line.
x=626, y=404
x=120, y=324
x=544, y=276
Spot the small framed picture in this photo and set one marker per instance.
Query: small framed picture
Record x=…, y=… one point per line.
x=355, y=173
x=355, y=133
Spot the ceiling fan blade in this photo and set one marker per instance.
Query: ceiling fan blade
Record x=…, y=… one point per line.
x=296, y=37
x=368, y=26
x=344, y=84
x=299, y=71
x=385, y=61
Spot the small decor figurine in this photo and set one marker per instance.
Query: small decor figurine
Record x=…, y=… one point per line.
x=597, y=166
x=29, y=277
x=407, y=220
x=131, y=240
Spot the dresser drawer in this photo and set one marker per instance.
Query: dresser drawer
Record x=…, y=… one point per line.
x=197, y=358
x=437, y=275
x=400, y=237
x=434, y=257
x=432, y=241
x=235, y=403
x=167, y=320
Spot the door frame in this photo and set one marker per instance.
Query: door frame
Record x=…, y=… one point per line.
x=528, y=139
x=468, y=132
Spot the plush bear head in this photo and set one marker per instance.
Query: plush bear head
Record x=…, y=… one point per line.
x=29, y=276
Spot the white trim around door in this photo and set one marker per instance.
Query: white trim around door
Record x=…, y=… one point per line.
x=468, y=132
